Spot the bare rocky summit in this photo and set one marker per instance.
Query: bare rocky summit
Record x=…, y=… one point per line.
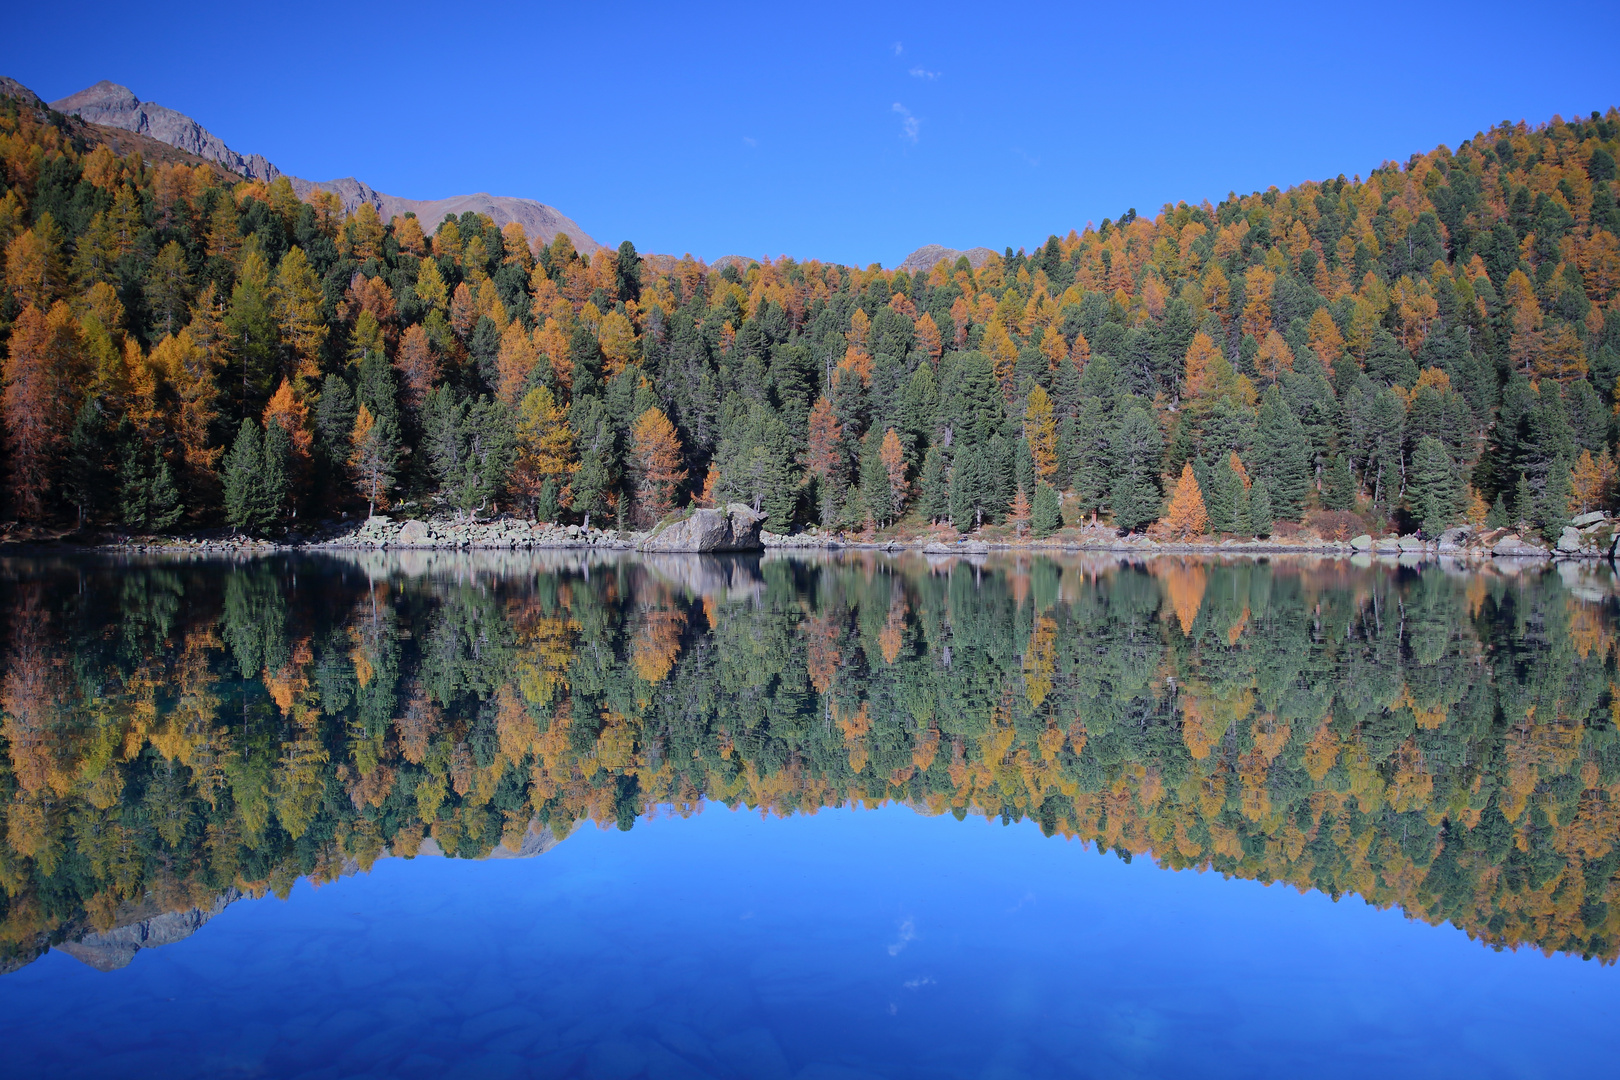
x=929, y=256
x=110, y=105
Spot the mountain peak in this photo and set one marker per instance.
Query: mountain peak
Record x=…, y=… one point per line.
x=114, y=105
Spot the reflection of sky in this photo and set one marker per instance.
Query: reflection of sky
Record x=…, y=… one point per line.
x=840, y=945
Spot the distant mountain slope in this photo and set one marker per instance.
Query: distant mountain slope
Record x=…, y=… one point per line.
x=929, y=255
x=110, y=105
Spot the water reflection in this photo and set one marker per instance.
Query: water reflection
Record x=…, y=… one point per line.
x=182, y=734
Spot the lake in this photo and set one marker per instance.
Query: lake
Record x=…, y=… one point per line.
x=574, y=814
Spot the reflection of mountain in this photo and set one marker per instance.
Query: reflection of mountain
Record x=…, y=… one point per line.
x=1437, y=741
x=109, y=950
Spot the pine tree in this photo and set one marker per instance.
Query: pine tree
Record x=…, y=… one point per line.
x=967, y=481
x=1282, y=454
x=1435, y=493
x=934, y=501
x=1553, y=506
x=1047, y=515
x=84, y=472
x=1137, y=445
x=1524, y=503
x=134, y=488
x=241, y=480
x=1498, y=517
x=1024, y=475
x=164, y=508
x=275, y=483
x=1261, y=519
x=1338, y=486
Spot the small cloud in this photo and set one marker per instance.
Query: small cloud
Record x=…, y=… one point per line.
x=898, y=49
x=923, y=73
x=749, y=142
x=914, y=984
x=908, y=123
x=1031, y=161
x=908, y=933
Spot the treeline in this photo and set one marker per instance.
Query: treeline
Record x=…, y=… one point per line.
x=1437, y=743
x=1436, y=343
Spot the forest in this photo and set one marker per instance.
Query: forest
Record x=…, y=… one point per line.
x=1438, y=743
x=1434, y=344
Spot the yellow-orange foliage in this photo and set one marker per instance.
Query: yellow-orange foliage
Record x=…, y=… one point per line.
x=1186, y=515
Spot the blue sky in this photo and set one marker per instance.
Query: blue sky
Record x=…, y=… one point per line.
x=850, y=132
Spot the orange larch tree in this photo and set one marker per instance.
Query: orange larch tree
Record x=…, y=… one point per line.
x=38, y=401
x=1186, y=516
x=655, y=465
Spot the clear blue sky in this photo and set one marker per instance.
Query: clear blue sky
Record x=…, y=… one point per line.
x=851, y=132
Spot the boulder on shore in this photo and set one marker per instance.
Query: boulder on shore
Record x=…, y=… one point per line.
x=736, y=528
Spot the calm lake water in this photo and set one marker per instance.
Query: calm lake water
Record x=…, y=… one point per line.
x=567, y=815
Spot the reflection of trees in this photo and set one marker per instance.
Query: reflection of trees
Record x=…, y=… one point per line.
x=1439, y=742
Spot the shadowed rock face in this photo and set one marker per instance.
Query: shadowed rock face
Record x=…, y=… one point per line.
x=736, y=528
x=116, y=106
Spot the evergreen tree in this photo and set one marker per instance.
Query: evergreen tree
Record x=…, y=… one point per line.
x=934, y=500
x=1435, y=492
x=1282, y=454
x=85, y=472
x=163, y=500
x=1338, y=486
x=275, y=480
x=1046, y=517
x=967, y=496
x=1553, y=506
x=1261, y=519
x=241, y=480
x=1498, y=517
x=1524, y=503
x=999, y=483
x=1137, y=445
x=1023, y=466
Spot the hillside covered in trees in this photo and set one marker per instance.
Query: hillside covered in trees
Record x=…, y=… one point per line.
x=1437, y=342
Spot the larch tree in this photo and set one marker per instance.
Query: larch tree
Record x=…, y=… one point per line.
x=418, y=365
x=545, y=452
x=893, y=457
x=656, y=466
x=38, y=400
x=1186, y=516
x=1041, y=430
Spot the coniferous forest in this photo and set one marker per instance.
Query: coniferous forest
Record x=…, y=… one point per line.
x=1435, y=343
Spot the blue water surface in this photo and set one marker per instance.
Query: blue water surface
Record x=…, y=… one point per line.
x=842, y=945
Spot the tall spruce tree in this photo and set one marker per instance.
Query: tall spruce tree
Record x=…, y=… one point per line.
x=1137, y=445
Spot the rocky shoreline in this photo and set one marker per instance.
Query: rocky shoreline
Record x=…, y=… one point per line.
x=737, y=529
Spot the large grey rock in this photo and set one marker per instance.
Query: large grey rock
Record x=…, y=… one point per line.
x=1569, y=541
x=736, y=528
x=1362, y=542
x=1410, y=543
x=1513, y=545
x=1591, y=517
x=414, y=532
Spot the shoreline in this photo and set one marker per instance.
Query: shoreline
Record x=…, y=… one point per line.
x=381, y=534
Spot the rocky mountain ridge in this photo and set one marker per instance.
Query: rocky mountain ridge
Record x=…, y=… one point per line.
x=114, y=106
